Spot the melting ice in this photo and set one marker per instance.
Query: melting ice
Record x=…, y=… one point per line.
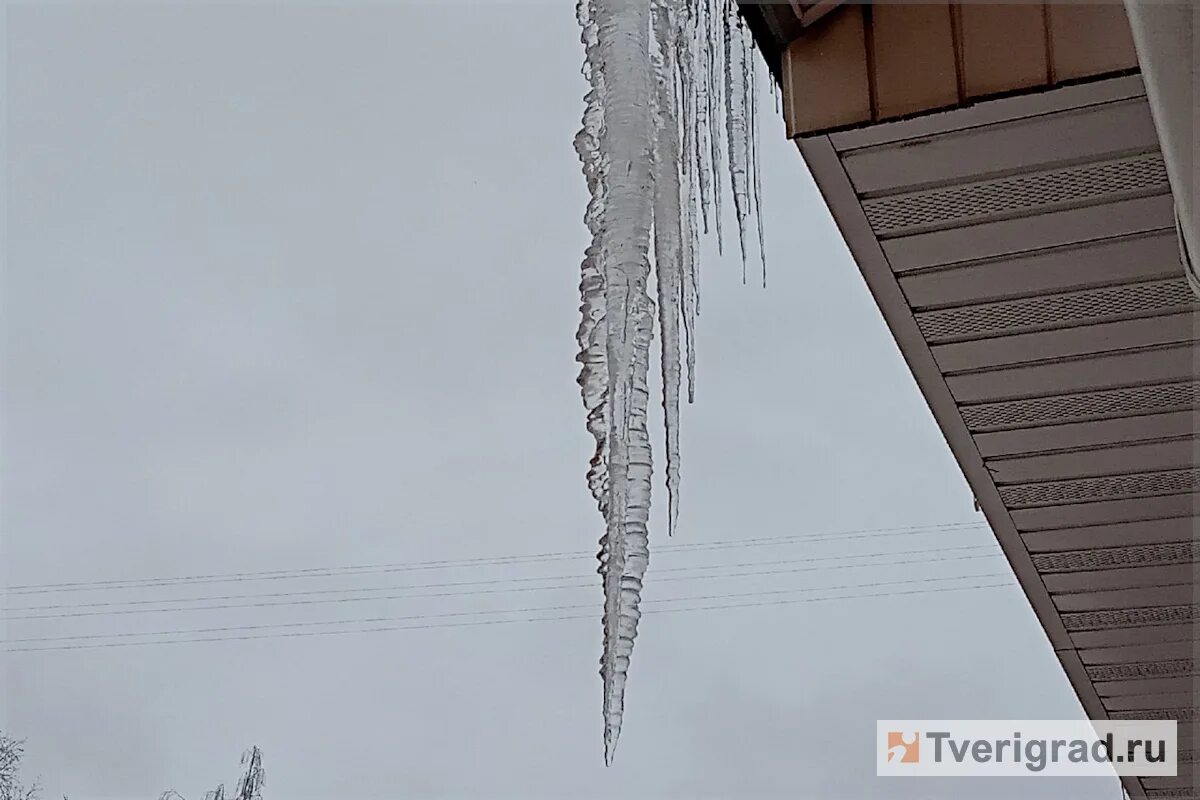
x=668, y=124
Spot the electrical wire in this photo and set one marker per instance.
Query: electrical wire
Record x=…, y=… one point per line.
x=274, y=632
x=308, y=592
x=387, y=597
x=141, y=583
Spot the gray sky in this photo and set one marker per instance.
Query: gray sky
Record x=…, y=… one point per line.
x=295, y=286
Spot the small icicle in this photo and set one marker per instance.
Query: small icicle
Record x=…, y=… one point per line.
x=668, y=236
x=700, y=55
x=755, y=169
x=692, y=181
x=715, y=10
x=736, y=133
x=690, y=165
x=690, y=311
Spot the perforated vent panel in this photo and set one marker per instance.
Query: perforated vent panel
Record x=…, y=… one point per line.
x=1056, y=310
x=1082, y=184
x=1114, y=557
x=1089, y=405
x=1181, y=714
x=1076, y=621
x=1151, y=669
x=1083, y=490
x=1170, y=794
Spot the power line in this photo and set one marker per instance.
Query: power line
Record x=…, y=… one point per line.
x=139, y=583
x=272, y=632
x=448, y=614
x=73, y=611
x=489, y=561
x=655, y=570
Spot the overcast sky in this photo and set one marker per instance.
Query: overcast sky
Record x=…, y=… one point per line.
x=296, y=286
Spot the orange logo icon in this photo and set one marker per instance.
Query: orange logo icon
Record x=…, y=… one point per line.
x=904, y=748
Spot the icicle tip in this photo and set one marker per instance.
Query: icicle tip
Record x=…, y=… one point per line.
x=611, y=735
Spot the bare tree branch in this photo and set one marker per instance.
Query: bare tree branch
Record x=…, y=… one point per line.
x=11, y=787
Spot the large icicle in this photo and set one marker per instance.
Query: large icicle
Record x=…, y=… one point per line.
x=669, y=105
x=623, y=48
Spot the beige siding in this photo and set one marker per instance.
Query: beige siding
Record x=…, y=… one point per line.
x=914, y=59
x=828, y=76
x=861, y=64
x=1089, y=40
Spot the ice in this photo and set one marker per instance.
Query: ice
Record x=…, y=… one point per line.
x=591, y=335
x=668, y=232
x=620, y=57
x=669, y=111
x=753, y=164
x=739, y=122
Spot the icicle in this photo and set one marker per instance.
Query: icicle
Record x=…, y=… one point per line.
x=623, y=50
x=669, y=108
x=736, y=131
x=668, y=235
x=694, y=177
x=690, y=166
x=756, y=183
x=700, y=56
x=690, y=310
x=592, y=333
x=714, y=21
x=774, y=94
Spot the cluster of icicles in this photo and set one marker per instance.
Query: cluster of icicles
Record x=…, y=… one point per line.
x=669, y=113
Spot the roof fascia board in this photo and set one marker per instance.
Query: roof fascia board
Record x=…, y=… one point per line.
x=990, y=112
